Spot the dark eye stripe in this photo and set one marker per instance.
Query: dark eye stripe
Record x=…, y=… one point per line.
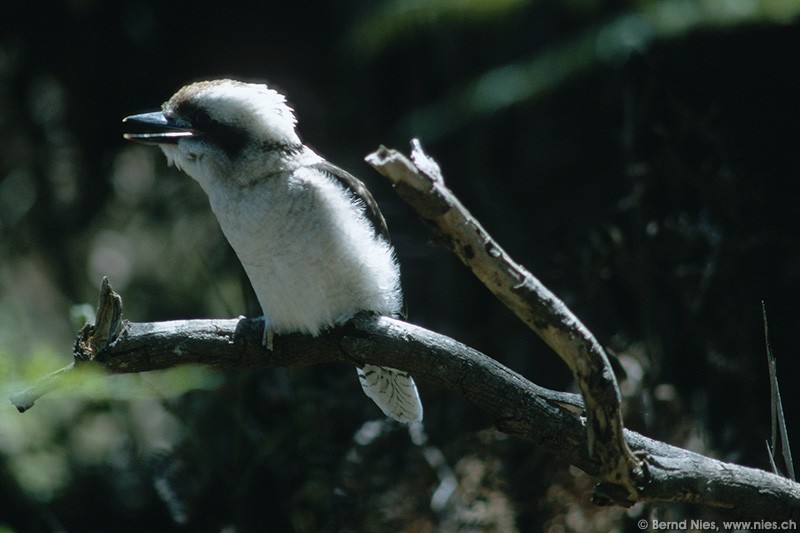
x=230, y=139
x=200, y=119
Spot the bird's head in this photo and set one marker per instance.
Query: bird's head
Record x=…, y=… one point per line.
x=221, y=131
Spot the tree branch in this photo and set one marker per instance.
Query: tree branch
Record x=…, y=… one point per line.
x=516, y=406
x=420, y=183
x=553, y=420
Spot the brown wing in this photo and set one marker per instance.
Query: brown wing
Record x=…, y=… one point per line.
x=360, y=192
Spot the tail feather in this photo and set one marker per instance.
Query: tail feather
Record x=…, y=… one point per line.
x=393, y=391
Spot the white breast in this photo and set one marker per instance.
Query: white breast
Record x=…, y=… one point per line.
x=311, y=256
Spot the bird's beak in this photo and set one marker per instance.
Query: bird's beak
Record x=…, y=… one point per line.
x=154, y=128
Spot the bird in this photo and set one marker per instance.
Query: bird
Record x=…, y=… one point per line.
x=309, y=235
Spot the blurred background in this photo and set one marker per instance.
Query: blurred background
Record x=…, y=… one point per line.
x=640, y=157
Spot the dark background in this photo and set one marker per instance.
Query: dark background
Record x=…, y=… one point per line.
x=641, y=158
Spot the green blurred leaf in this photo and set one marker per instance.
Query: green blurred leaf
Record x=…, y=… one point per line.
x=611, y=42
x=393, y=20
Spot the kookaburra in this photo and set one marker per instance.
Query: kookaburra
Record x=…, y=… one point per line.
x=309, y=235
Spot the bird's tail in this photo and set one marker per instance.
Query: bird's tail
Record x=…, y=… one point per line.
x=393, y=391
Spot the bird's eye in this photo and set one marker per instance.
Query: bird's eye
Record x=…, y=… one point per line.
x=201, y=119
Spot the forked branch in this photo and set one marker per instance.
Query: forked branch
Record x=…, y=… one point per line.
x=598, y=443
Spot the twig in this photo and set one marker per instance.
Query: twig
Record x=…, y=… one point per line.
x=779, y=446
x=420, y=183
x=24, y=400
x=92, y=339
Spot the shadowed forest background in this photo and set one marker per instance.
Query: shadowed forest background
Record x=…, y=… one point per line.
x=640, y=157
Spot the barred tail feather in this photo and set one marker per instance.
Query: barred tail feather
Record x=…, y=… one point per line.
x=393, y=391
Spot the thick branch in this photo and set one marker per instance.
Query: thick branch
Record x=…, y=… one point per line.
x=515, y=405
x=420, y=183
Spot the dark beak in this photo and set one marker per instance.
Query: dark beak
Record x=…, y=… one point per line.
x=154, y=128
